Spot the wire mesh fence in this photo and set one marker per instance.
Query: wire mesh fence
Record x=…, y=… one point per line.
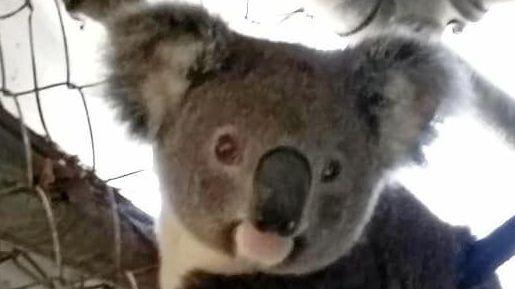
x=23, y=261
x=25, y=269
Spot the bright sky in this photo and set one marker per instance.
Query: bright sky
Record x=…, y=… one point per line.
x=469, y=179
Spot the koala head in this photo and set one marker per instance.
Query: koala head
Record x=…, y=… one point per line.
x=270, y=152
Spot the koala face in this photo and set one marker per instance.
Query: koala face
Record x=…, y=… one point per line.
x=267, y=152
x=284, y=143
x=250, y=152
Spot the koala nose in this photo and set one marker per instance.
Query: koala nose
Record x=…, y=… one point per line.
x=281, y=185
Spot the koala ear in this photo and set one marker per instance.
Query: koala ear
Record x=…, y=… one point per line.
x=402, y=85
x=155, y=54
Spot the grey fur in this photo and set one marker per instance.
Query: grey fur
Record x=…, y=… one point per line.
x=183, y=80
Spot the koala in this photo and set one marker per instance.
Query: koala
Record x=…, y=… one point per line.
x=271, y=156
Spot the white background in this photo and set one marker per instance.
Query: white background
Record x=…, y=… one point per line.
x=470, y=176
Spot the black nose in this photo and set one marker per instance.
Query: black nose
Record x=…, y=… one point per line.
x=281, y=187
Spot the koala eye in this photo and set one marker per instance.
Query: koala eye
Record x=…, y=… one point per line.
x=330, y=171
x=227, y=150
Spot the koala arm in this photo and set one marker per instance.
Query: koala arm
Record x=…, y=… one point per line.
x=357, y=19
x=495, y=107
x=97, y=9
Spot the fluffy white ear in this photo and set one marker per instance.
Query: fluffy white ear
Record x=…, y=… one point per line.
x=402, y=85
x=155, y=53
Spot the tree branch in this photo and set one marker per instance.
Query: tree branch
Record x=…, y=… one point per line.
x=82, y=210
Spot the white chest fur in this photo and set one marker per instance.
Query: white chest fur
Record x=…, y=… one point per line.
x=181, y=253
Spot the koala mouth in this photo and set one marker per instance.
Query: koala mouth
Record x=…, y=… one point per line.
x=265, y=249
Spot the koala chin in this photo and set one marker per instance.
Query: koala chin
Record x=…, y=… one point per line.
x=271, y=156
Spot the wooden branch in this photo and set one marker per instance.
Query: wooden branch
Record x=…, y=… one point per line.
x=82, y=209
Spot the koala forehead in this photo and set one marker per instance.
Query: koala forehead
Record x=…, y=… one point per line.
x=271, y=88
